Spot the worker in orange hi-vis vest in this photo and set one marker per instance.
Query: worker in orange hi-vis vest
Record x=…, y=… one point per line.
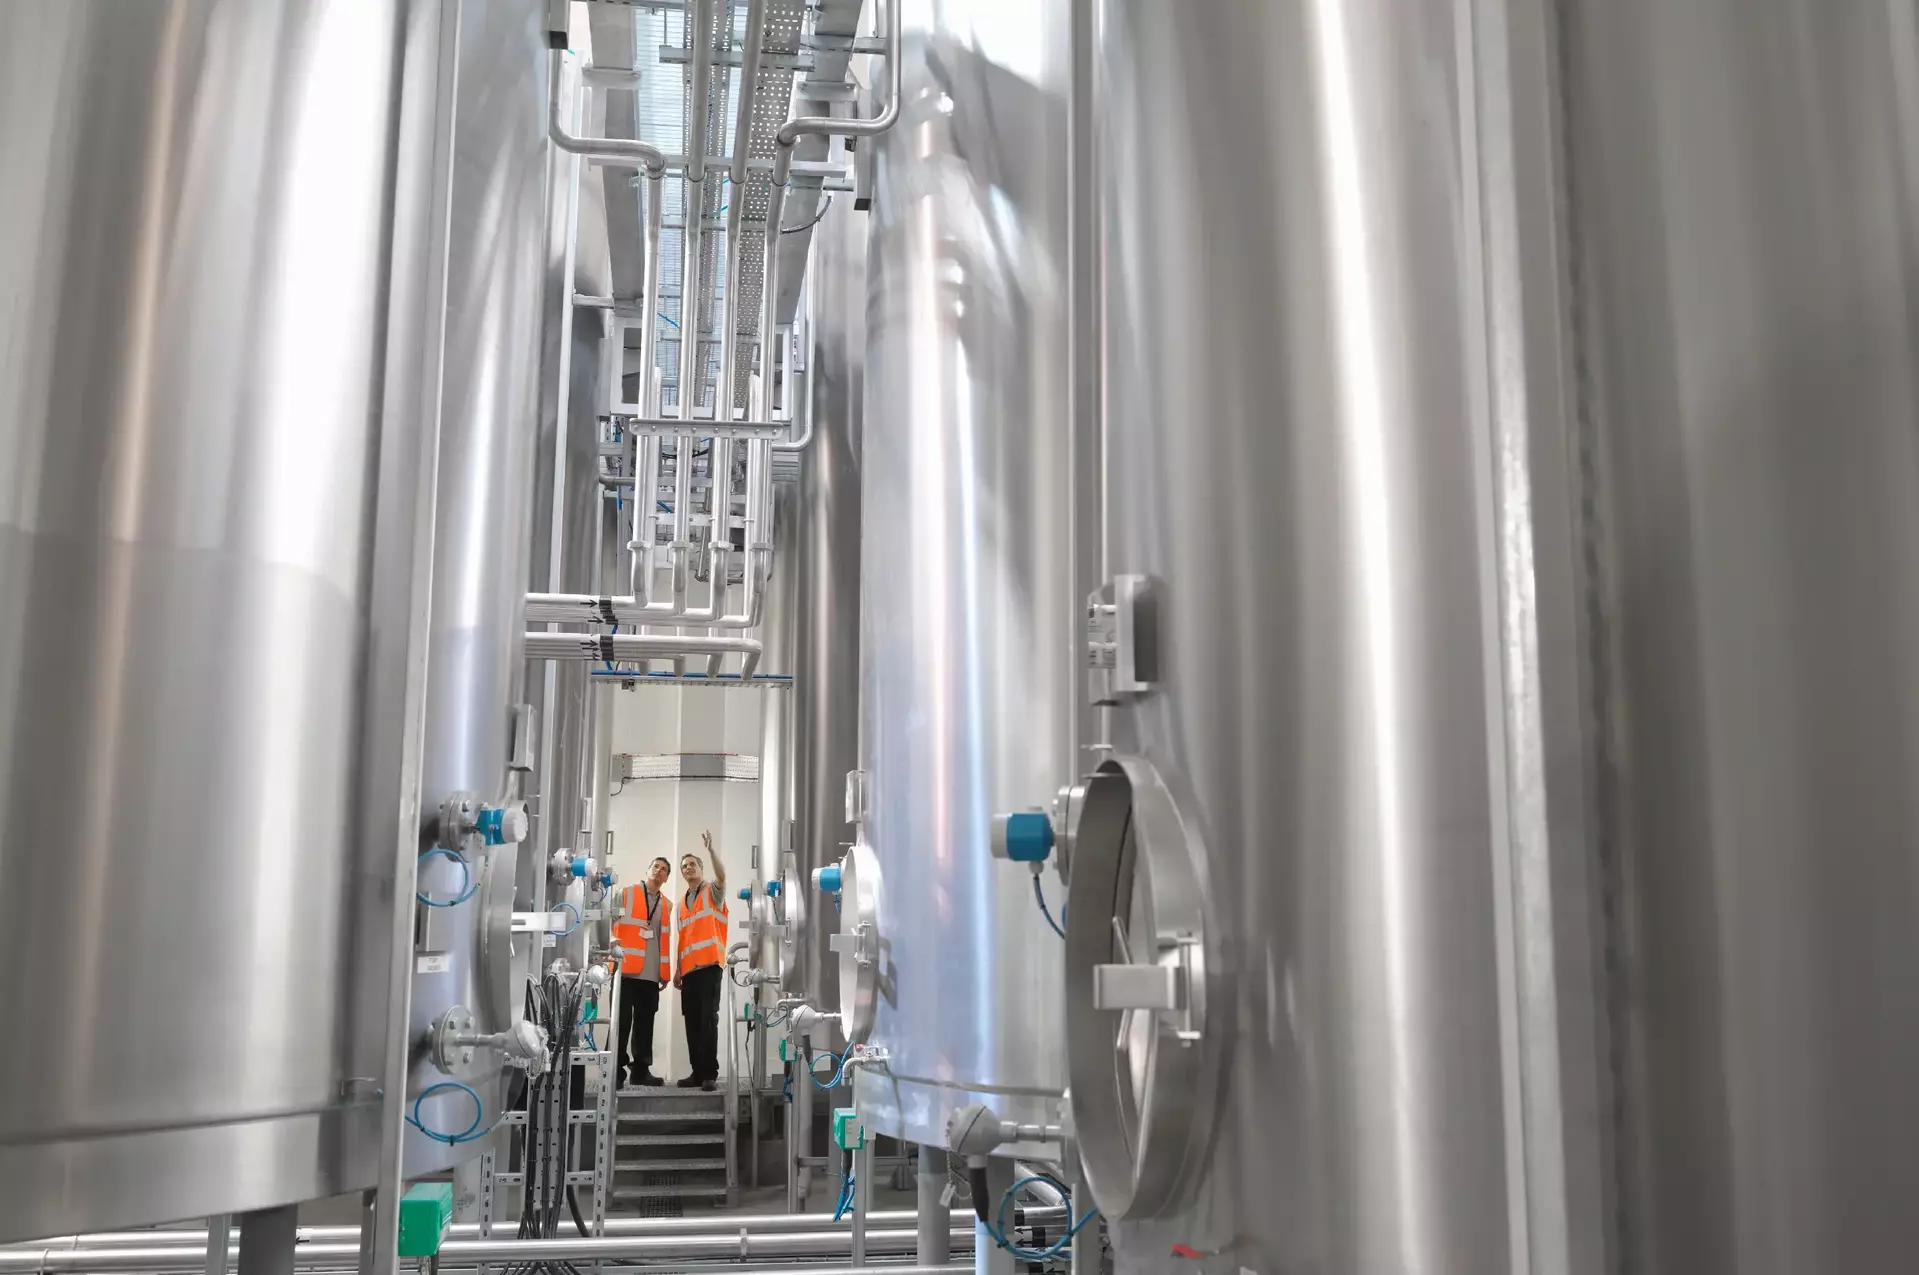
x=700, y=932
x=644, y=934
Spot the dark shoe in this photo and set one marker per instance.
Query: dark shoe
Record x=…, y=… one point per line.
x=691, y=1082
x=649, y=1080
x=708, y=1084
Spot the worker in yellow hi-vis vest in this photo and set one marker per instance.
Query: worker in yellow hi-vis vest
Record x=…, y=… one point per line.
x=644, y=933
x=700, y=932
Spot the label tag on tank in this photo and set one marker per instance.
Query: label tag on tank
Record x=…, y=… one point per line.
x=434, y=963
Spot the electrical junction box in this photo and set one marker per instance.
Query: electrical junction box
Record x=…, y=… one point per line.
x=848, y=1133
x=426, y=1211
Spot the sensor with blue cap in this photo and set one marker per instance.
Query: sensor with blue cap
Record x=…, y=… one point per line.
x=1025, y=836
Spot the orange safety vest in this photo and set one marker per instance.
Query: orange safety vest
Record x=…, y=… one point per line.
x=702, y=929
x=642, y=932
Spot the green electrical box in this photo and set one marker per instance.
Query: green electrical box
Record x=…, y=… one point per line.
x=848, y=1133
x=426, y=1211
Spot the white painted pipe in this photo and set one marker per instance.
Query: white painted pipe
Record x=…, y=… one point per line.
x=641, y=646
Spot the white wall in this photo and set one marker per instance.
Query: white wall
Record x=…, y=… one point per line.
x=659, y=817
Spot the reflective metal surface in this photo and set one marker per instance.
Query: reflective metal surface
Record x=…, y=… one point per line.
x=1744, y=208
x=476, y=669
x=967, y=634
x=777, y=633
x=195, y=209
x=826, y=650
x=1293, y=455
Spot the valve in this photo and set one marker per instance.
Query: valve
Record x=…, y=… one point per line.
x=827, y=878
x=607, y=878
x=773, y=888
x=746, y=893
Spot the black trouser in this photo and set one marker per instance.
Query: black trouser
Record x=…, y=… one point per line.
x=700, y=1003
x=639, y=1001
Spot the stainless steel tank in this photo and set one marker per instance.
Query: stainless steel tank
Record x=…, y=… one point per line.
x=476, y=666
x=1741, y=211
x=826, y=649
x=1302, y=1069
x=967, y=615
x=201, y=326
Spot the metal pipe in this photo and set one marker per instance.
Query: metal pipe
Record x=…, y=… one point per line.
x=609, y=77
x=641, y=646
x=621, y=151
x=701, y=16
x=749, y=89
x=831, y=126
x=641, y=584
x=616, y=1227
x=1043, y=1189
x=219, y=1243
x=863, y=1200
x=737, y=1250
x=736, y=204
x=1087, y=1240
x=935, y=1218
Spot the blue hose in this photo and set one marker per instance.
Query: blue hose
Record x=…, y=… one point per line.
x=468, y=886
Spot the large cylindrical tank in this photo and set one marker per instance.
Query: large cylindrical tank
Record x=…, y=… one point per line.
x=1742, y=208
x=826, y=648
x=967, y=616
x=476, y=663
x=197, y=207
x=1302, y=676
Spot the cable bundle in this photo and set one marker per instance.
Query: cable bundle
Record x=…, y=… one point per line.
x=554, y=1003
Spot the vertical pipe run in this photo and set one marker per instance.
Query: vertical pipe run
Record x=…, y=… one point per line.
x=217, y=1242
x=267, y=1239
x=862, y=1196
x=1086, y=1243
x=935, y=1219
x=988, y=1257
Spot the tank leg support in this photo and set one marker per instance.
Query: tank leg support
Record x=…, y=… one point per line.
x=217, y=1240
x=267, y=1239
x=935, y=1219
x=988, y=1257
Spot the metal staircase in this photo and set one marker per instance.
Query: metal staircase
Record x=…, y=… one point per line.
x=671, y=1146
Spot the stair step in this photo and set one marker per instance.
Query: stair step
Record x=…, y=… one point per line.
x=715, y=1138
x=670, y=1117
x=668, y=1166
x=670, y=1191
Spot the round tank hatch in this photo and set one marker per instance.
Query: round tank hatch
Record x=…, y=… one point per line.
x=857, y=942
x=1145, y=1005
x=792, y=912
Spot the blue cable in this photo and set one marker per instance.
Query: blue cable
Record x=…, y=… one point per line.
x=472, y=1133
x=669, y=321
x=845, y=1205
x=1058, y=1245
x=835, y=1081
x=578, y=920
x=468, y=886
x=1039, y=893
x=609, y=665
